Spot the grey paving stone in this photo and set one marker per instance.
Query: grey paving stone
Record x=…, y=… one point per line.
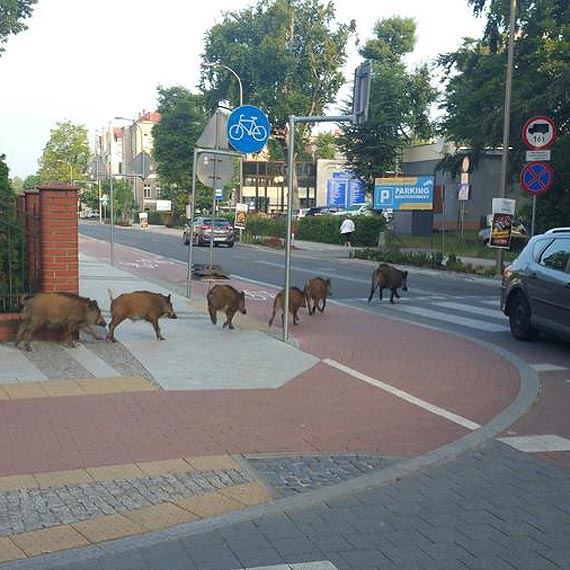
x=169, y=556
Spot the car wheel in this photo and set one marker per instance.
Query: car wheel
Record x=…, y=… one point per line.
x=186, y=239
x=519, y=319
x=231, y=244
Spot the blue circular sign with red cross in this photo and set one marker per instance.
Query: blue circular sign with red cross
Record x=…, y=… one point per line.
x=536, y=177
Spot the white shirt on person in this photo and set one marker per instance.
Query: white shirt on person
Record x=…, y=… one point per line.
x=347, y=226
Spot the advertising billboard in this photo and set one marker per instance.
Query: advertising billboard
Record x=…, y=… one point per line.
x=344, y=190
x=405, y=193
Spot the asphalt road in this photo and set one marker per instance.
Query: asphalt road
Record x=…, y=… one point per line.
x=465, y=304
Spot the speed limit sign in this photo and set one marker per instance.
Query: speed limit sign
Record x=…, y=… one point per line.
x=539, y=132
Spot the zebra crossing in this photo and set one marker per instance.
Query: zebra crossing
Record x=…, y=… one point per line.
x=469, y=312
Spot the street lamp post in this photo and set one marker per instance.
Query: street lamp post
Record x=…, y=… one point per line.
x=214, y=65
x=135, y=123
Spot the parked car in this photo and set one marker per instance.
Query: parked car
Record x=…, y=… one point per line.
x=357, y=210
x=302, y=212
x=321, y=211
x=88, y=214
x=535, y=289
x=204, y=228
x=519, y=232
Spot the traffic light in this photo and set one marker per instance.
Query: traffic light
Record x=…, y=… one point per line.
x=361, y=94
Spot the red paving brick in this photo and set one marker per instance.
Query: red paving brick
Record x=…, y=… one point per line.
x=322, y=410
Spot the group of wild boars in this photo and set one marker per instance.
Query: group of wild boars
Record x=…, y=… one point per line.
x=388, y=277
x=65, y=311
x=316, y=292
x=71, y=313
x=296, y=301
x=227, y=299
x=138, y=306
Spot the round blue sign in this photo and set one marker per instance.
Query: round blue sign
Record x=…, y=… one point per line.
x=248, y=129
x=536, y=177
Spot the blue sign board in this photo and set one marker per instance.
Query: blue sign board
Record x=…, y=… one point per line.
x=344, y=190
x=248, y=129
x=536, y=177
x=406, y=193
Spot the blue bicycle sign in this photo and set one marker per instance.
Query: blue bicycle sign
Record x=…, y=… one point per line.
x=248, y=129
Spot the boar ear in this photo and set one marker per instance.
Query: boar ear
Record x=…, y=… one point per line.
x=242, y=295
x=405, y=273
x=168, y=296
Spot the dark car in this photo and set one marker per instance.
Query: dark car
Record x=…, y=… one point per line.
x=320, y=211
x=206, y=228
x=535, y=289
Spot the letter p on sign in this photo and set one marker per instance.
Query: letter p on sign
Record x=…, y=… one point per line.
x=384, y=196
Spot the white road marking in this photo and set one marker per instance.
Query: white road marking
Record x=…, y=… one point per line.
x=15, y=367
x=450, y=416
x=472, y=309
x=547, y=367
x=449, y=318
x=537, y=443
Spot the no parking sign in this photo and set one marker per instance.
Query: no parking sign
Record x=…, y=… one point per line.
x=536, y=177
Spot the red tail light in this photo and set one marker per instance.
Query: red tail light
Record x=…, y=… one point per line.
x=205, y=227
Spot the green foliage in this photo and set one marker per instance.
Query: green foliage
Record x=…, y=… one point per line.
x=325, y=146
x=66, y=154
x=12, y=16
x=474, y=92
x=399, y=103
x=262, y=226
x=435, y=260
x=288, y=55
x=326, y=229
x=183, y=118
x=31, y=181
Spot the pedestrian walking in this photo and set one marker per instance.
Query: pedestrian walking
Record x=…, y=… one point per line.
x=346, y=230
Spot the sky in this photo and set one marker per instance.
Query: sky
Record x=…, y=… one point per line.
x=88, y=61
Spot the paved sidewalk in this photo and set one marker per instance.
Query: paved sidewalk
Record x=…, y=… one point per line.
x=348, y=453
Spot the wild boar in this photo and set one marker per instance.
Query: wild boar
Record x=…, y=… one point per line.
x=388, y=277
x=140, y=305
x=66, y=311
x=296, y=301
x=227, y=299
x=316, y=292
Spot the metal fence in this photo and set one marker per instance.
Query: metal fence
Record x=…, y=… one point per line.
x=20, y=267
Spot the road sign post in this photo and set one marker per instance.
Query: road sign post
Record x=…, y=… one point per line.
x=537, y=176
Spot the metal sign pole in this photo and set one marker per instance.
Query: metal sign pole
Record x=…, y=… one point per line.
x=290, y=156
x=533, y=216
x=112, y=211
x=191, y=243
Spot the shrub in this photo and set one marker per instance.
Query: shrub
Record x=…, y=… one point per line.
x=325, y=229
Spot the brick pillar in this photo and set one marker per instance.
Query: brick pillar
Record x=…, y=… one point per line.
x=59, y=243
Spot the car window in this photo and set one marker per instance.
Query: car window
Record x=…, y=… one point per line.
x=556, y=255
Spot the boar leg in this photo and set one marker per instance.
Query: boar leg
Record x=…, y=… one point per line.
x=229, y=316
x=393, y=294
x=323, y=305
x=295, y=318
x=381, y=292
x=212, y=311
x=25, y=334
x=115, y=322
x=157, y=329
x=272, y=316
x=373, y=288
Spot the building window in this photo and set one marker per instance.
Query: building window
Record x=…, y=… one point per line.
x=146, y=191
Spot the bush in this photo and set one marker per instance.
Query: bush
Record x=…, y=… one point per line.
x=325, y=229
x=263, y=226
x=419, y=259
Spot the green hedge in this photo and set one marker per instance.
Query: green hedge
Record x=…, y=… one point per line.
x=325, y=229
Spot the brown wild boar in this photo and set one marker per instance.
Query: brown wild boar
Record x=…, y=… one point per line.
x=316, y=292
x=388, y=277
x=296, y=301
x=66, y=311
x=137, y=306
x=227, y=299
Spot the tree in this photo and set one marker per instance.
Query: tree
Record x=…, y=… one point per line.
x=288, y=55
x=12, y=16
x=325, y=146
x=400, y=102
x=31, y=181
x=474, y=94
x=183, y=118
x=66, y=154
